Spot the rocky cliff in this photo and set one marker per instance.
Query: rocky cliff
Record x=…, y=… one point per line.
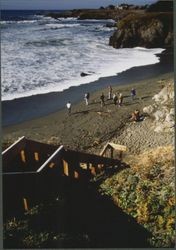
x=150, y=30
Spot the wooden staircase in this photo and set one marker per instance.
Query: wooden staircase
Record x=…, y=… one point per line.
x=32, y=171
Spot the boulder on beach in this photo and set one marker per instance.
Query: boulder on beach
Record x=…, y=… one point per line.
x=83, y=74
x=86, y=73
x=159, y=115
x=148, y=109
x=166, y=94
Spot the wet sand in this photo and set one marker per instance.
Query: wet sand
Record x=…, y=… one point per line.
x=24, y=109
x=88, y=128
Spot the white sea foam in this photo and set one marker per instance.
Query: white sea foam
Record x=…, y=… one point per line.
x=36, y=61
x=27, y=21
x=68, y=19
x=19, y=22
x=61, y=25
x=98, y=21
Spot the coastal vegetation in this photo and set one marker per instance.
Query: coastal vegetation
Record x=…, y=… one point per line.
x=146, y=192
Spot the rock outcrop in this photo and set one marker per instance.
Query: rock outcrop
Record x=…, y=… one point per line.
x=150, y=30
x=162, y=111
x=84, y=74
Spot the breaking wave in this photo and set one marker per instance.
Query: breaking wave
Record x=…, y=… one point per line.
x=47, y=55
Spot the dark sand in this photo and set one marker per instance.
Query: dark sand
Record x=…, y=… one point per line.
x=25, y=109
x=88, y=128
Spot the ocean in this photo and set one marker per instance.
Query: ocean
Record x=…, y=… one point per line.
x=43, y=55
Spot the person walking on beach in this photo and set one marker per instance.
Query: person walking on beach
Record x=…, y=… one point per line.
x=102, y=100
x=109, y=92
x=86, y=97
x=69, y=107
x=120, y=99
x=133, y=93
x=115, y=99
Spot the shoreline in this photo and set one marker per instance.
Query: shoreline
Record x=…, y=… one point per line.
x=41, y=105
x=89, y=128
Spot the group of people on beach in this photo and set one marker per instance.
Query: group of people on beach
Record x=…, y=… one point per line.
x=116, y=97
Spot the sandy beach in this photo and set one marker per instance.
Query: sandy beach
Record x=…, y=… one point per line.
x=44, y=117
x=24, y=109
x=88, y=128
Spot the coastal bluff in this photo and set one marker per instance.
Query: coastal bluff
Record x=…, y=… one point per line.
x=149, y=30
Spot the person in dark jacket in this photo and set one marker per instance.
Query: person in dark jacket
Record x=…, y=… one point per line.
x=133, y=93
x=102, y=100
x=115, y=99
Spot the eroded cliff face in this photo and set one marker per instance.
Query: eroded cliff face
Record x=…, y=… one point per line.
x=150, y=30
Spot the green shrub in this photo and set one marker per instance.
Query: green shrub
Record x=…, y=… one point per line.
x=143, y=192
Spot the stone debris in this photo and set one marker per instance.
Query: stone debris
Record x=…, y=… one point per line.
x=157, y=129
x=148, y=109
x=164, y=116
x=165, y=94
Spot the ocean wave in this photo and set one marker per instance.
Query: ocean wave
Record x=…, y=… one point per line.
x=36, y=59
x=61, y=25
x=50, y=42
x=44, y=17
x=43, y=81
x=7, y=22
x=96, y=20
x=27, y=21
x=70, y=19
x=19, y=22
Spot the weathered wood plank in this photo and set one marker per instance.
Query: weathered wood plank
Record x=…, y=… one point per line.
x=89, y=158
x=114, y=146
x=118, y=146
